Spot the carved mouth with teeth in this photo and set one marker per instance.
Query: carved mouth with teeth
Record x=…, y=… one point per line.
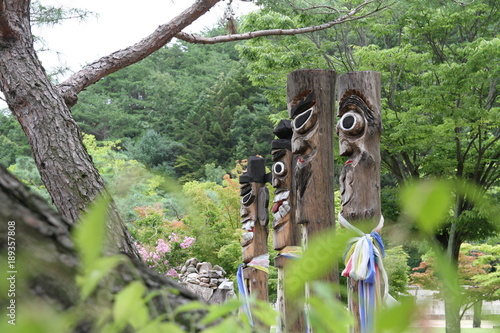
x=281, y=206
x=247, y=236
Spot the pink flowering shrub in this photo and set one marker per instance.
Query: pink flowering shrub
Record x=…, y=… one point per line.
x=167, y=256
x=163, y=245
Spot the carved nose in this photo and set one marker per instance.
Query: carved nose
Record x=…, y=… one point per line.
x=345, y=148
x=299, y=145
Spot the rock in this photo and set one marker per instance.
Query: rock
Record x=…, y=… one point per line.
x=206, y=285
x=193, y=276
x=191, y=269
x=204, y=293
x=193, y=281
x=205, y=280
x=218, y=268
x=192, y=262
x=204, y=267
x=214, y=274
x=221, y=296
x=226, y=285
x=214, y=282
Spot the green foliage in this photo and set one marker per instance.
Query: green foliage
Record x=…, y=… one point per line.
x=439, y=70
x=395, y=264
x=89, y=238
x=41, y=14
x=13, y=142
x=428, y=205
x=181, y=108
x=214, y=222
x=130, y=182
x=25, y=170
x=326, y=309
x=155, y=151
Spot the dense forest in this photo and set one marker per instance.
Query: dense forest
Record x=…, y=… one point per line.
x=170, y=134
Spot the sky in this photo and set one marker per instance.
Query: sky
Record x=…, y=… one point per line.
x=120, y=23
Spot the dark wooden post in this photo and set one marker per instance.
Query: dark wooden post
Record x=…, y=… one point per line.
x=287, y=233
x=254, y=214
x=359, y=130
x=311, y=104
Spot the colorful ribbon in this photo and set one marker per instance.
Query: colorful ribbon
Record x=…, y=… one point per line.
x=291, y=252
x=363, y=263
x=242, y=290
x=261, y=262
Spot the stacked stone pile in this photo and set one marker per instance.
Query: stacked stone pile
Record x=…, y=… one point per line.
x=207, y=281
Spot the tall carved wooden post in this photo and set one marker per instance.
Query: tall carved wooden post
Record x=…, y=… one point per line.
x=311, y=104
x=287, y=233
x=359, y=130
x=254, y=214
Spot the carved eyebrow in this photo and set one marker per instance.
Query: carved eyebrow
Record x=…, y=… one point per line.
x=359, y=103
x=302, y=102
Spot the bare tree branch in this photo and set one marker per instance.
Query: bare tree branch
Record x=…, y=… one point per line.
x=312, y=7
x=93, y=72
x=191, y=38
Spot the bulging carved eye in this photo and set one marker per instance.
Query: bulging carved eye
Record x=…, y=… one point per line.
x=304, y=121
x=352, y=123
x=279, y=169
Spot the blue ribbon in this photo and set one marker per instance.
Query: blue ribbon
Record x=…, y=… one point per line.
x=242, y=289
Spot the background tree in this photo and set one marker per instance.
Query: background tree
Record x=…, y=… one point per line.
x=478, y=277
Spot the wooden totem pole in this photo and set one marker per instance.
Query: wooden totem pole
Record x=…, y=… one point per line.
x=287, y=233
x=359, y=130
x=254, y=214
x=311, y=104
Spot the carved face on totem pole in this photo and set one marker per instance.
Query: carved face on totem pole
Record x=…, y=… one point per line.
x=253, y=211
x=359, y=130
x=248, y=211
x=305, y=140
x=286, y=233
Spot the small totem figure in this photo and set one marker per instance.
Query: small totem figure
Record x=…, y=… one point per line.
x=254, y=204
x=286, y=232
x=252, y=275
